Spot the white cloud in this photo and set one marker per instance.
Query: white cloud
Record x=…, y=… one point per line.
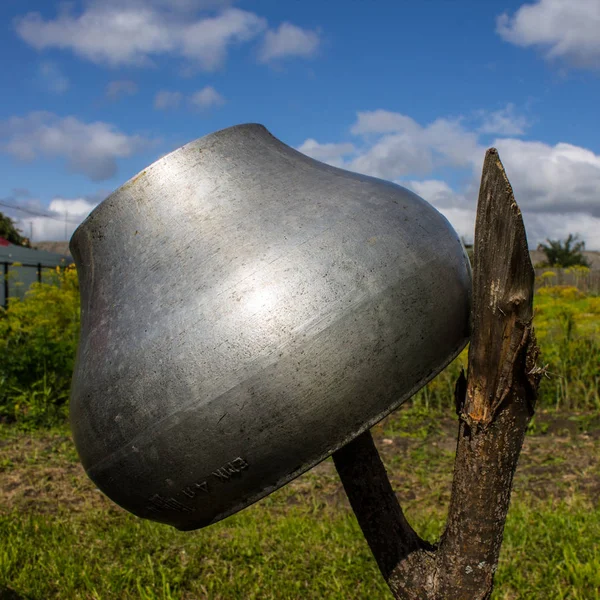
x=53, y=78
x=183, y=5
x=556, y=186
x=332, y=154
x=566, y=29
x=542, y=226
x=289, y=40
x=176, y=6
x=203, y=99
x=456, y=207
x=117, y=89
x=89, y=148
x=79, y=208
x=55, y=222
x=394, y=156
x=207, y=97
x=503, y=122
x=383, y=121
x=102, y=34
x=397, y=146
x=64, y=217
x=437, y=192
x=558, y=179
x=133, y=33
x=166, y=99
x=463, y=221
x=206, y=41
x=460, y=210
x=506, y=121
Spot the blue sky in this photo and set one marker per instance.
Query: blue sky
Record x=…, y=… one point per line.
x=96, y=90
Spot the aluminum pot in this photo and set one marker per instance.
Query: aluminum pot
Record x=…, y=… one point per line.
x=245, y=312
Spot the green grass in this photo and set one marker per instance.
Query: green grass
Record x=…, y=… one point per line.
x=62, y=539
x=550, y=551
x=257, y=554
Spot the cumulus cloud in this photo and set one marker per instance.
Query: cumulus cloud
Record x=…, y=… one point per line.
x=437, y=192
x=288, y=40
x=135, y=32
x=206, y=41
x=460, y=210
x=91, y=149
x=557, y=179
x=166, y=99
x=54, y=222
x=206, y=98
x=565, y=29
x=383, y=121
x=542, y=226
x=397, y=146
x=557, y=186
x=503, y=122
x=65, y=215
x=102, y=34
x=53, y=78
x=455, y=206
x=119, y=88
x=78, y=208
x=182, y=5
x=462, y=219
x=332, y=154
x=175, y=6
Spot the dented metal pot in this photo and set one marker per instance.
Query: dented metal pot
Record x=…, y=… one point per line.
x=246, y=311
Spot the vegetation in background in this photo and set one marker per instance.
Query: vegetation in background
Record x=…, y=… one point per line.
x=61, y=538
x=38, y=341
x=9, y=232
x=567, y=253
x=567, y=325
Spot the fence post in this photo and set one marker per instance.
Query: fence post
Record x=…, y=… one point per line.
x=5, y=284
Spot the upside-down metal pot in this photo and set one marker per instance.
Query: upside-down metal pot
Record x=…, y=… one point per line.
x=246, y=311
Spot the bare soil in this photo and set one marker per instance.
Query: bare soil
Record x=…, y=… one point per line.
x=40, y=472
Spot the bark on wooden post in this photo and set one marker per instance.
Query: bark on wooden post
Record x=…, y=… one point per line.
x=495, y=405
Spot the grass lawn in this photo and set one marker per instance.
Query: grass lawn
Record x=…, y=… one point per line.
x=61, y=538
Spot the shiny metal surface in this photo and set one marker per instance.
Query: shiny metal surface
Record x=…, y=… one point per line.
x=246, y=311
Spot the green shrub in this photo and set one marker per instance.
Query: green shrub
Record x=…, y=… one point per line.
x=567, y=323
x=564, y=254
x=10, y=233
x=38, y=340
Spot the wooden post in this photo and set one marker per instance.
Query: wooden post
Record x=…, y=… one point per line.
x=495, y=405
x=6, y=289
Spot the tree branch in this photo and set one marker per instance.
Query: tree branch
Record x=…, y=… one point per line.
x=372, y=498
x=495, y=405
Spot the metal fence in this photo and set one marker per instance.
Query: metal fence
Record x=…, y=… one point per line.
x=20, y=267
x=585, y=280
x=18, y=277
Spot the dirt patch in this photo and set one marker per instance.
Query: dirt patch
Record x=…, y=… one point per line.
x=49, y=490
x=40, y=473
